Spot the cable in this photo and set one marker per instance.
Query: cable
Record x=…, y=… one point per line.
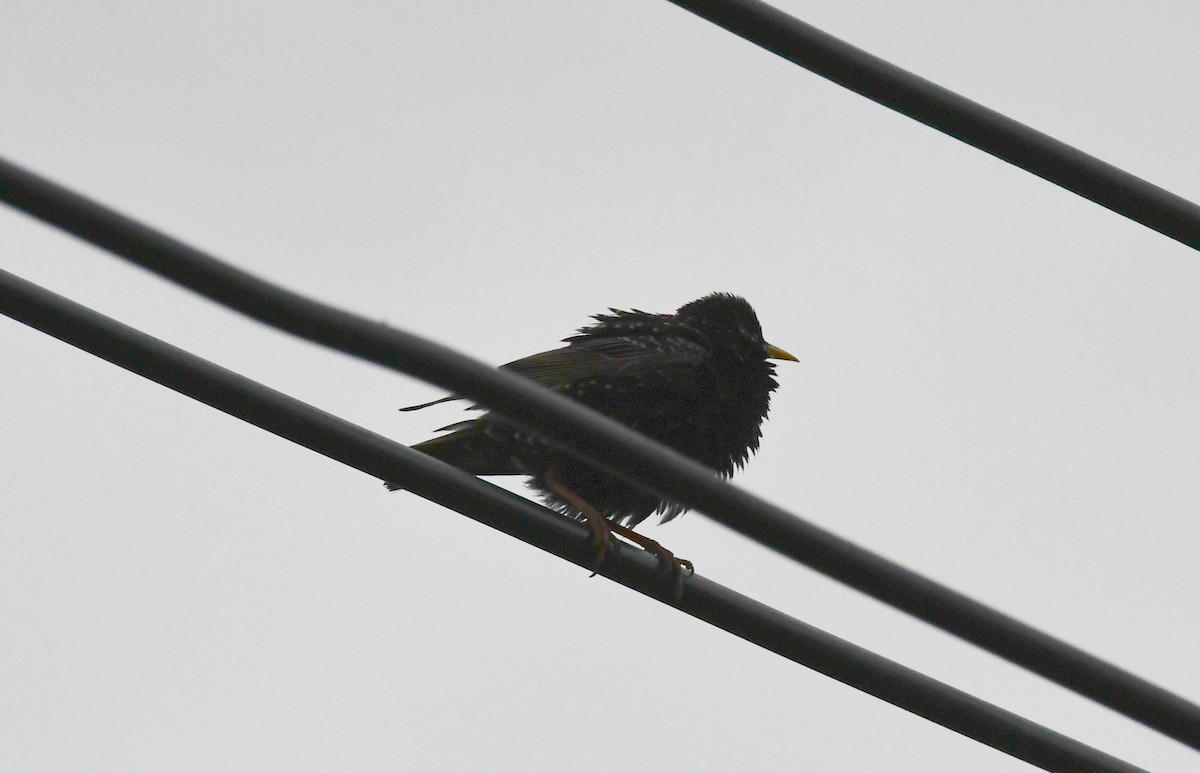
x=955, y=115
x=375, y=455
x=609, y=445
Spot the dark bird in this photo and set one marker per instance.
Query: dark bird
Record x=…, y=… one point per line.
x=698, y=380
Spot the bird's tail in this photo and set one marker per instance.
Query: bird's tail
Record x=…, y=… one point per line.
x=419, y=406
x=468, y=447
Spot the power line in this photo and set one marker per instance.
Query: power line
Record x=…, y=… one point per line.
x=955, y=115
x=609, y=445
x=375, y=455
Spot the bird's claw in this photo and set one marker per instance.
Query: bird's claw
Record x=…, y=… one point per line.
x=601, y=536
x=601, y=539
x=678, y=569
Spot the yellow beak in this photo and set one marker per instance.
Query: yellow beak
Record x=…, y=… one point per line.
x=775, y=353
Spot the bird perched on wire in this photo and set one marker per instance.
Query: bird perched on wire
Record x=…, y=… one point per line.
x=698, y=380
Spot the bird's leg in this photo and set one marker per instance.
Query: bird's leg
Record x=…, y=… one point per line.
x=676, y=566
x=653, y=547
x=600, y=526
x=603, y=529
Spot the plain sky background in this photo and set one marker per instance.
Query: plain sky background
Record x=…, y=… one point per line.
x=998, y=381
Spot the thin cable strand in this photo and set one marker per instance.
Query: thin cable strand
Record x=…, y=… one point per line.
x=955, y=115
x=610, y=446
x=375, y=455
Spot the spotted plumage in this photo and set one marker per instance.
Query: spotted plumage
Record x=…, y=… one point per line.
x=698, y=380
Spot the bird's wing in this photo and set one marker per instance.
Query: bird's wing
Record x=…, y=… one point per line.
x=594, y=358
x=607, y=358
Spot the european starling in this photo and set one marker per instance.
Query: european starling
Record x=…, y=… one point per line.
x=698, y=380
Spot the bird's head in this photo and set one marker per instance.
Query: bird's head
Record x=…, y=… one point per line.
x=730, y=321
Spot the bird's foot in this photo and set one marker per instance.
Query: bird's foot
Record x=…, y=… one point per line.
x=677, y=568
x=601, y=539
x=601, y=529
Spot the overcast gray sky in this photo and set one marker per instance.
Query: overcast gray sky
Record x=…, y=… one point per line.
x=997, y=382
